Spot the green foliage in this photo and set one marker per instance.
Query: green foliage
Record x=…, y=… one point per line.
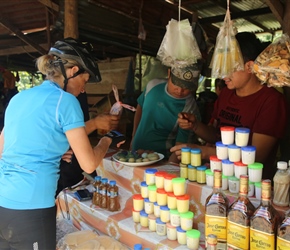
x=28, y=80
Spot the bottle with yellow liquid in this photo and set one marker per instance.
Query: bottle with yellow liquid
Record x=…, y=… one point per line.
x=216, y=211
x=264, y=222
x=239, y=215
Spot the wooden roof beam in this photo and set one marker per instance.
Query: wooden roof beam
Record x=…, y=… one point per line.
x=277, y=9
x=50, y=4
x=19, y=50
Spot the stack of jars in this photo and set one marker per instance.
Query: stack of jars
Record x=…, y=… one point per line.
x=163, y=207
x=235, y=157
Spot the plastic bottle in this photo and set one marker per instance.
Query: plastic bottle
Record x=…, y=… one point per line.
x=281, y=185
x=103, y=193
x=112, y=193
x=97, y=184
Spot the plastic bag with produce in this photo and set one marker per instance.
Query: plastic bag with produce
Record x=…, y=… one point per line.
x=272, y=66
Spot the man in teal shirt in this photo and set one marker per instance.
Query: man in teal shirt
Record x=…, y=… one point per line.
x=155, y=121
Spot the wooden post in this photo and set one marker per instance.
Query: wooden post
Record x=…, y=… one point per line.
x=71, y=28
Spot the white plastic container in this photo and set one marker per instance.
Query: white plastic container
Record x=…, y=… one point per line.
x=258, y=190
x=255, y=172
x=171, y=232
x=215, y=163
x=248, y=154
x=242, y=136
x=227, y=168
x=221, y=150
x=240, y=169
x=234, y=184
x=228, y=135
x=225, y=182
x=174, y=217
x=234, y=153
x=209, y=177
x=251, y=189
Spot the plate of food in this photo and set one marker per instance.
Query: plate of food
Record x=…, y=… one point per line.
x=137, y=158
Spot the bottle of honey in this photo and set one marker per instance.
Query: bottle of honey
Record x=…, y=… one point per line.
x=113, y=201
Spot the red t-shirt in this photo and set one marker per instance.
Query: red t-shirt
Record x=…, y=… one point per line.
x=263, y=112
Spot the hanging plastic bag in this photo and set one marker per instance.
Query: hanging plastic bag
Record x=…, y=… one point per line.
x=179, y=45
x=272, y=66
x=117, y=108
x=227, y=57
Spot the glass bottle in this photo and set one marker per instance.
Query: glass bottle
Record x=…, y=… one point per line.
x=264, y=222
x=283, y=232
x=216, y=211
x=112, y=193
x=281, y=185
x=97, y=184
x=211, y=242
x=238, y=220
x=103, y=193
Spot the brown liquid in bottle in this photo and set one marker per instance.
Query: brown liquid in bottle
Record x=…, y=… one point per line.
x=97, y=184
x=103, y=193
x=113, y=202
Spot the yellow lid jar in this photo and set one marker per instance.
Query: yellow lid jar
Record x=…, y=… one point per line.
x=171, y=200
x=178, y=186
x=150, y=176
x=138, y=202
x=152, y=195
x=168, y=187
x=159, y=179
x=161, y=197
x=164, y=214
x=182, y=203
x=186, y=220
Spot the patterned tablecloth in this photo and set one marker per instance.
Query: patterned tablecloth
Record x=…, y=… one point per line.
x=120, y=224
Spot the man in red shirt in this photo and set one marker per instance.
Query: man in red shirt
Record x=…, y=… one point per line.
x=244, y=103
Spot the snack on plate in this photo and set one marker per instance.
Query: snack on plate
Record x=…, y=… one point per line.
x=137, y=156
x=272, y=66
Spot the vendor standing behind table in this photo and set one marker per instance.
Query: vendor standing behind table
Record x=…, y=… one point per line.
x=244, y=103
x=155, y=122
x=40, y=125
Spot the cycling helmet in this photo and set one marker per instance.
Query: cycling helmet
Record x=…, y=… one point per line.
x=69, y=48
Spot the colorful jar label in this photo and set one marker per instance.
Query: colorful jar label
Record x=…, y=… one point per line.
x=261, y=240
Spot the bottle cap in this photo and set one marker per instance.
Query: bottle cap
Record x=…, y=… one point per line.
x=282, y=165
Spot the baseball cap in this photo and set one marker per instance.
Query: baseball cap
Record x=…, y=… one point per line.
x=185, y=77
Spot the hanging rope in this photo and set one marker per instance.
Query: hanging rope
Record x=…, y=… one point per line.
x=179, y=8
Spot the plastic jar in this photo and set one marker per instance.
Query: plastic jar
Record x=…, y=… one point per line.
x=234, y=153
x=251, y=189
x=182, y=203
x=171, y=200
x=160, y=227
x=174, y=217
x=138, y=202
x=143, y=219
x=150, y=176
x=221, y=150
x=183, y=171
x=255, y=172
x=178, y=186
x=159, y=179
x=148, y=206
x=156, y=209
x=191, y=173
x=242, y=136
x=136, y=215
x=258, y=190
x=209, y=177
x=152, y=222
x=171, y=231
x=192, y=239
x=168, y=187
x=144, y=189
x=200, y=175
x=186, y=220
x=152, y=194
x=240, y=169
x=225, y=182
x=181, y=236
x=248, y=154
x=234, y=184
x=164, y=214
x=228, y=135
x=161, y=197
x=215, y=163
x=227, y=168
x=185, y=155
x=195, y=157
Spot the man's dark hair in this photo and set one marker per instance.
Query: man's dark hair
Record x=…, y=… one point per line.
x=250, y=45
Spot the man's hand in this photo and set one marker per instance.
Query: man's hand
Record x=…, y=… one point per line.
x=187, y=121
x=67, y=156
x=107, y=122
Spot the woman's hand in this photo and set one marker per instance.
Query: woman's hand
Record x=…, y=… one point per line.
x=67, y=156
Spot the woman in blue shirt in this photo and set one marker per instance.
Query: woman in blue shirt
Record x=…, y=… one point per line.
x=40, y=125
